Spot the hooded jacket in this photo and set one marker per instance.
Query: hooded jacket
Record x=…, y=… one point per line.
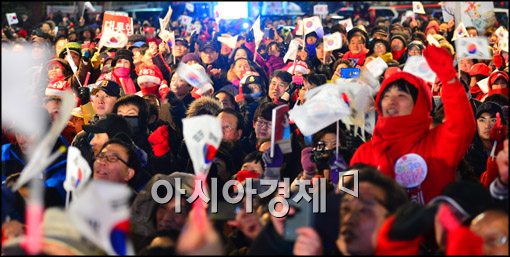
x=441, y=147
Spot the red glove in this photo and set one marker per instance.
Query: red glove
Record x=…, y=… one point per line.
x=159, y=141
x=441, y=62
x=498, y=133
x=497, y=60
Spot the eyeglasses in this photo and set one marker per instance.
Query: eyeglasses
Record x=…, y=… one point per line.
x=113, y=158
x=281, y=84
x=262, y=123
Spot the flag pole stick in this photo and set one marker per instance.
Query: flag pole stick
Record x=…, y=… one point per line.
x=74, y=73
x=337, y=140
x=67, y=199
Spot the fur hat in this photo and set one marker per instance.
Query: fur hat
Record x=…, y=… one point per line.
x=204, y=105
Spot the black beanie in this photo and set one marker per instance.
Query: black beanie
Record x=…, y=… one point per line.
x=122, y=54
x=472, y=196
x=489, y=107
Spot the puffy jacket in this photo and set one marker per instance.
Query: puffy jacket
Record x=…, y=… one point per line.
x=441, y=147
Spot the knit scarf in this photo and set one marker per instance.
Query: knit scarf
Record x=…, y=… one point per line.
x=359, y=56
x=124, y=80
x=398, y=54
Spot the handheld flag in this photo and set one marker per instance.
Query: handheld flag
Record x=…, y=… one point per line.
x=69, y=59
x=202, y=141
x=78, y=171
x=358, y=96
x=113, y=39
x=377, y=67
x=257, y=33
x=101, y=213
x=418, y=8
x=323, y=106
x=167, y=36
x=195, y=77
x=292, y=52
x=418, y=66
x=229, y=41
x=88, y=5
x=332, y=41
x=473, y=48
x=11, y=18
x=312, y=24
x=164, y=23
x=460, y=31
x=347, y=23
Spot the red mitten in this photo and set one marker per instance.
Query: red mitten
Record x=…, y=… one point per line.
x=498, y=133
x=159, y=141
x=497, y=60
x=440, y=62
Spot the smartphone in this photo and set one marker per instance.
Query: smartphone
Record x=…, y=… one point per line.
x=349, y=73
x=226, y=211
x=303, y=217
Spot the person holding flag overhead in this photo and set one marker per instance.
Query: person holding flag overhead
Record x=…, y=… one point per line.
x=84, y=60
x=404, y=104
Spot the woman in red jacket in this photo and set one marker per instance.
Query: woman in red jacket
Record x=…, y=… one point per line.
x=404, y=104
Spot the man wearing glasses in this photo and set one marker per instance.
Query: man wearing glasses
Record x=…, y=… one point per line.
x=116, y=162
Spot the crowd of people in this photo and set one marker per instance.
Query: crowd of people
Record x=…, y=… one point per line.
x=127, y=124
